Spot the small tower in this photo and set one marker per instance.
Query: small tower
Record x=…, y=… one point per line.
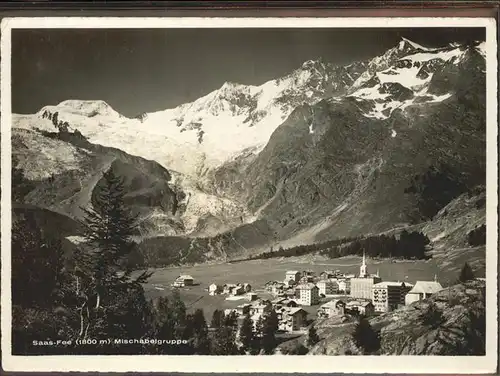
x=362, y=268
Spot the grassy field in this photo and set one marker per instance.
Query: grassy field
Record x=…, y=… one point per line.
x=258, y=272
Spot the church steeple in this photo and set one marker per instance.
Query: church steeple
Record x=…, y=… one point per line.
x=362, y=268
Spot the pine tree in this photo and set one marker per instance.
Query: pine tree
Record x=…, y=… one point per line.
x=224, y=342
x=37, y=263
x=365, y=337
x=231, y=319
x=178, y=308
x=312, y=337
x=198, y=325
x=269, y=328
x=217, y=319
x=466, y=274
x=112, y=303
x=246, y=336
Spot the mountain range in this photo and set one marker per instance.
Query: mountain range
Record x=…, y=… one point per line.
x=324, y=152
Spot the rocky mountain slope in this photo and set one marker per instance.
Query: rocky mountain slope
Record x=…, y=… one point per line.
x=451, y=322
x=324, y=152
x=334, y=161
x=59, y=176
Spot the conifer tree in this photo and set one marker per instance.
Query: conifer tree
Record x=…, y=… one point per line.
x=224, y=342
x=466, y=274
x=111, y=302
x=217, y=319
x=179, y=317
x=198, y=325
x=37, y=263
x=269, y=328
x=246, y=336
x=231, y=319
x=312, y=337
x=365, y=337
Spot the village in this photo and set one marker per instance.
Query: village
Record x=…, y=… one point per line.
x=303, y=297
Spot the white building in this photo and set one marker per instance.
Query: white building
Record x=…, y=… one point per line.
x=261, y=306
x=363, y=307
x=344, y=286
x=308, y=294
x=293, y=275
x=291, y=319
x=388, y=296
x=214, y=289
x=422, y=290
x=361, y=287
x=328, y=287
x=332, y=308
x=184, y=280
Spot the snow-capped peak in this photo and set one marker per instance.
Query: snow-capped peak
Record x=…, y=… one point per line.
x=405, y=42
x=89, y=108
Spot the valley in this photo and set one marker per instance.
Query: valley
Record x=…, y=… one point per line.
x=263, y=271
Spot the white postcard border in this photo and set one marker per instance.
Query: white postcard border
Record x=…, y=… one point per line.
x=280, y=364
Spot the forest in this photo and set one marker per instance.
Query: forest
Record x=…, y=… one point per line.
x=408, y=245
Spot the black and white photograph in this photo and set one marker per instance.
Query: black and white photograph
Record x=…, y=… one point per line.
x=266, y=191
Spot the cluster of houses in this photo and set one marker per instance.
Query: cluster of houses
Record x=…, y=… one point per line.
x=291, y=317
x=232, y=289
x=362, y=294
x=308, y=289
x=369, y=294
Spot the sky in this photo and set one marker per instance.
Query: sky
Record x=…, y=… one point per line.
x=145, y=70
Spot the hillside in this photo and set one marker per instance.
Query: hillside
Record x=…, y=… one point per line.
x=55, y=174
x=333, y=161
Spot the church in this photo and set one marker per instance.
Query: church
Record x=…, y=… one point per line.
x=361, y=286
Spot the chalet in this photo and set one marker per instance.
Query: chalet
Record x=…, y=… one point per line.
x=278, y=301
x=327, y=274
x=334, y=307
x=292, y=319
x=290, y=303
x=278, y=288
x=270, y=284
x=292, y=275
x=237, y=290
x=184, y=280
x=362, y=307
x=260, y=307
x=214, y=289
x=243, y=309
x=306, y=279
x=308, y=294
x=247, y=287
x=252, y=296
x=422, y=290
x=226, y=289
